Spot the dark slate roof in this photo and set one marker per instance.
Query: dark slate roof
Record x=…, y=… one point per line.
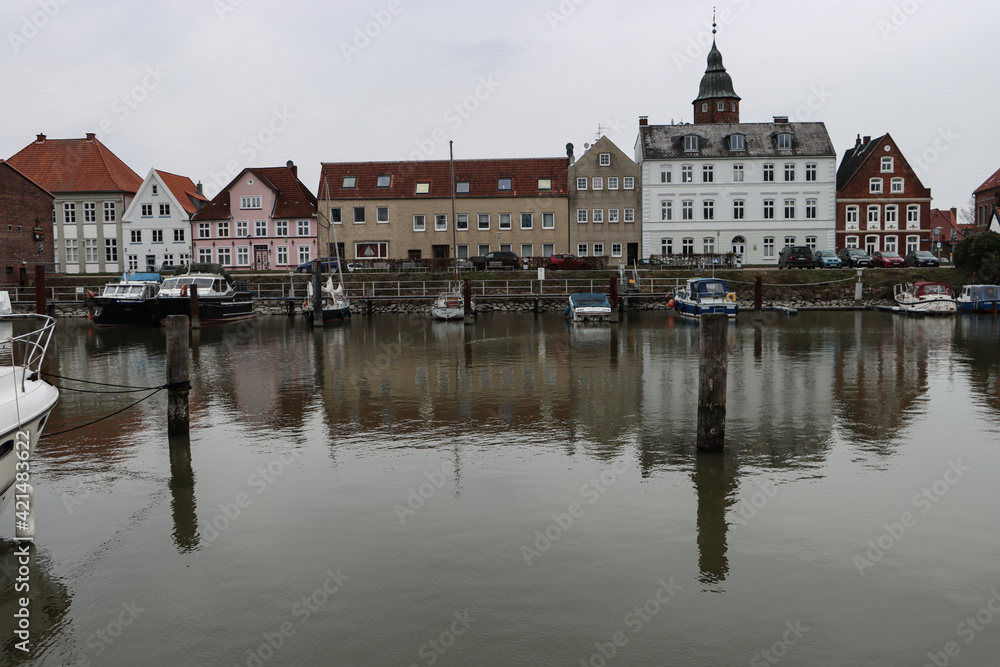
x=662, y=142
x=853, y=159
x=482, y=176
x=991, y=182
x=292, y=198
x=716, y=82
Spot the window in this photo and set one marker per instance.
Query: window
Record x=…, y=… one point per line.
x=527, y=250
x=604, y=159
x=851, y=218
x=810, y=171
x=252, y=201
x=422, y=188
x=913, y=216
x=789, y=209
x=768, y=173
x=707, y=173
x=157, y=236
x=687, y=210
x=597, y=183
x=179, y=235
x=223, y=229
x=598, y=215
x=784, y=141
x=484, y=248
x=581, y=215
x=164, y=210
x=504, y=222
x=89, y=211
x=147, y=210
x=886, y=165
x=810, y=209
x=666, y=246
x=721, y=106
x=242, y=256
x=484, y=221
x=335, y=216
x=69, y=212
x=503, y=184
x=708, y=245
x=789, y=171
x=874, y=215
x=630, y=215
x=665, y=175
x=544, y=183
x=136, y=235
x=302, y=228
x=225, y=256
x=871, y=244
x=581, y=183
x=440, y=222
x=874, y=185
x=690, y=144
x=242, y=228
x=896, y=185
x=738, y=209
x=282, y=255
x=851, y=242
x=598, y=250
x=204, y=256
x=462, y=188
x=737, y=142
x=704, y=106
x=109, y=211
x=349, y=181
x=359, y=215
x=616, y=249
x=110, y=250
x=419, y=223
x=154, y=190
x=666, y=210
x=548, y=220
x=462, y=252
x=789, y=240
x=811, y=242
x=687, y=246
x=581, y=249
x=891, y=217
x=768, y=246
x=890, y=243
x=708, y=210
x=629, y=183
x=462, y=222
x=281, y=228
x=687, y=173
x=612, y=215
x=737, y=173
x=72, y=251
x=612, y=182
x=133, y=262
x=90, y=250
x=204, y=230
x=305, y=254
x=912, y=243
x=383, y=181
x=768, y=209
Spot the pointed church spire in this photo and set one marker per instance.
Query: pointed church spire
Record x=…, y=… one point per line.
x=717, y=102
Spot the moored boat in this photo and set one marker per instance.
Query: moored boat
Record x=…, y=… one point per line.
x=336, y=306
x=925, y=297
x=218, y=298
x=979, y=299
x=131, y=300
x=450, y=305
x=588, y=307
x=705, y=296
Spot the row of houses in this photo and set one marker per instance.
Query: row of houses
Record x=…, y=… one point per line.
x=716, y=185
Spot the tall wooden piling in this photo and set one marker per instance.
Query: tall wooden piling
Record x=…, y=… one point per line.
x=713, y=368
x=177, y=374
x=317, y=297
x=40, y=289
x=613, y=288
x=467, y=300
x=195, y=317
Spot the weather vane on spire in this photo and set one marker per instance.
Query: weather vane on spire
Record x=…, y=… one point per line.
x=713, y=20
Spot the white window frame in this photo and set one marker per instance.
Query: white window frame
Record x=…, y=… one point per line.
x=912, y=243
x=581, y=249
x=548, y=220
x=687, y=173
x=250, y=201
x=381, y=215
x=612, y=182
x=504, y=221
x=852, y=218
x=260, y=228
x=440, y=222
x=629, y=215
x=604, y=159
x=768, y=246
x=896, y=185
x=912, y=216
x=738, y=173
x=739, y=209
x=873, y=217
x=527, y=221
x=616, y=249
x=612, y=216
x=687, y=209
x=597, y=183
x=110, y=211
x=891, y=217
x=708, y=173
x=811, y=170
x=301, y=228
x=581, y=183
x=666, y=210
x=789, y=209
x=483, y=221
x=811, y=209
x=204, y=230
x=629, y=183
x=886, y=165
x=281, y=258
x=462, y=222
x=419, y=222
x=874, y=185
x=598, y=214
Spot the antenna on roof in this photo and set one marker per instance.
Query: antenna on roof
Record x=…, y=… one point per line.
x=600, y=132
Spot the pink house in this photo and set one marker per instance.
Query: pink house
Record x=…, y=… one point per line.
x=264, y=219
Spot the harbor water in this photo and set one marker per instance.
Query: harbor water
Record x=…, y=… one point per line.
x=399, y=491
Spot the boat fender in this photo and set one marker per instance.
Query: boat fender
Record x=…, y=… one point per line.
x=184, y=290
x=671, y=304
x=90, y=294
x=305, y=305
x=731, y=297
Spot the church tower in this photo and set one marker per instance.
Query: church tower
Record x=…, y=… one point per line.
x=717, y=102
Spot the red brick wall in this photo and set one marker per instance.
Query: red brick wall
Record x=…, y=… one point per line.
x=715, y=116
x=21, y=203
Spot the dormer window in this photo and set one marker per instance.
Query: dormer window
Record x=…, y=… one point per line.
x=886, y=165
x=423, y=188
x=383, y=181
x=737, y=142
x=462, y=187
x=784, y=141
x=691, y=143
x=349, y=181
x=544, y=183
x=503, y=184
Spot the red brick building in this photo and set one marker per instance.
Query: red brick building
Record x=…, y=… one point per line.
x=986, y=201
x=881, y=203
x=25, y=226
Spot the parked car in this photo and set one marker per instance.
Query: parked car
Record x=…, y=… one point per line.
x=326, y=265
x=795, y=255
x=508, y=261
x=826, y=259
x=565, y=260
x=921, y=258
x=887, y=259
x=855, y=257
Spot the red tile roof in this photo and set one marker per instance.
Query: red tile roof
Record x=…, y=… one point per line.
x=75, y=165
x=18, y=172
x=292, y=198
x=947, y=219
x=183, y=189
x=482, y=176
x=991, y=182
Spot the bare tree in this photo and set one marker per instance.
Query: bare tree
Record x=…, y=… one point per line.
x=967, y=214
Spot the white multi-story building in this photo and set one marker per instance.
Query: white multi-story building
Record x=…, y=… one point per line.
x=719, y=185
x=156, y=227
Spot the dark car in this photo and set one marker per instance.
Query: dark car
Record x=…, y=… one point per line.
x=887, y=259
x=795, y=255
x=826, y=259
x=497, y=260
x=565, y=260
x=921, y=258
x=326, y=265
x=855, y=257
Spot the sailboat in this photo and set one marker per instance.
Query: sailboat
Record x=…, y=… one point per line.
x=450, y=304
x=334, y=303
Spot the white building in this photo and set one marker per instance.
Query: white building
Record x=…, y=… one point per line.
x=719, y=185
x=156, y=227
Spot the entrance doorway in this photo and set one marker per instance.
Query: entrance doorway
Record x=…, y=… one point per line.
x=740, y=249
x=632, y=253
x=261, y=258
x=440, y=251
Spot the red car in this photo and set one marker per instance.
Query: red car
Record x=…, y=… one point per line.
x=887, y=259
x=564, y=260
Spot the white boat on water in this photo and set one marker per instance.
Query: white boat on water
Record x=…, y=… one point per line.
x=450, y=306
x=705, y=296
x=588, y=307
x=335, y=304
x=925, y=297
x=25, y=398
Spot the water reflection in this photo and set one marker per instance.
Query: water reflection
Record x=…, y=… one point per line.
x=49, y=600
x=715, y=483
x=182, y=499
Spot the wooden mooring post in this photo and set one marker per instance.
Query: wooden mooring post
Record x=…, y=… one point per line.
x=195, y=318
x=317, y=297
x=467, y=300
x=713, y=368
x=613, y=288
x=177, y=374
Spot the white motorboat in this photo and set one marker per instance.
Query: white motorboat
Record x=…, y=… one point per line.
x=588, y=307
x=450, y=306
x=925, y=297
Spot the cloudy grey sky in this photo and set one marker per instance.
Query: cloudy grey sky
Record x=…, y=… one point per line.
x=206, y=87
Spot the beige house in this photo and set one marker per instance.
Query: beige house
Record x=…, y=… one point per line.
x=605, y=202
x=403, y=210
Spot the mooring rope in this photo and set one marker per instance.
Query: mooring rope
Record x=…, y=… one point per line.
x=826, y=282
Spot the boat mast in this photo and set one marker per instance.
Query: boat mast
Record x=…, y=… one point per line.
x=454, y=222
x=336, y=246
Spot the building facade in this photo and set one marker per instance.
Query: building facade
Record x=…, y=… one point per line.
x=25, y=226
x=604, y=204
x=721, y=186
x=265, y=218
x=987, y=196
x=881, y=203
x=92, y=188
x=403, y=210
x=156, y=227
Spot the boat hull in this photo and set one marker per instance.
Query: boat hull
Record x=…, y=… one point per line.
x=448, y=312
x=331, y=314
x=29, y=413
x=104, y=311
x=978, y=306
x=696, y=309
x=209, y=310
x=929, y=306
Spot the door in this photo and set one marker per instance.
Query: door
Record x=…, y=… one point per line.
x=151, y=263
x=632, y=252
x=261, y=258
x=740, y=249
x=440, y=251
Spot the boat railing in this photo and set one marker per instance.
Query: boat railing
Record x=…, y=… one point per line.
x=27, y=350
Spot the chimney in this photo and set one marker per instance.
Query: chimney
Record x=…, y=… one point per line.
x=90, y=136
x=201, y=190
x=295, y=170
x=40, y=139
x=643, y=121
x=780, y=120
x=867, y=139
x=569, y=153
x=857, y=142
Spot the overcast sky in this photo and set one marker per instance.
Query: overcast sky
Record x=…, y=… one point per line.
x=206, y=87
